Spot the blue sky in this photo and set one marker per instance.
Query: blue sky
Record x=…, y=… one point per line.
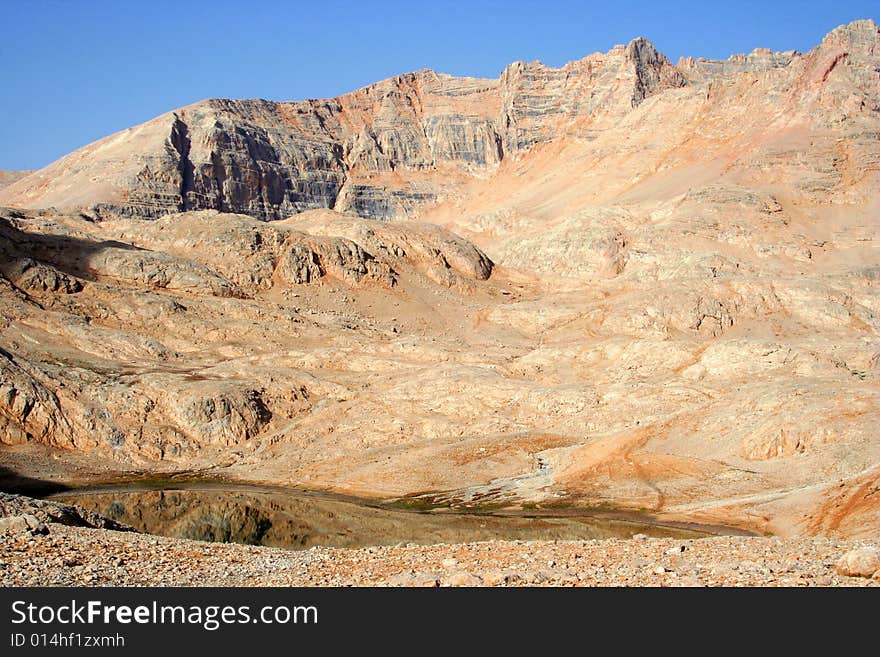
x=74, y=71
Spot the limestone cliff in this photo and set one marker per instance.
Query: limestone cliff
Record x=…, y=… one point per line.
x=379, y=152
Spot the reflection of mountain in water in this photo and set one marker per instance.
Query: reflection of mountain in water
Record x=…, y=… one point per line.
x=299, y=521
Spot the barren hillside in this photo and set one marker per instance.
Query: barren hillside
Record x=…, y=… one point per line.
x=622, y=282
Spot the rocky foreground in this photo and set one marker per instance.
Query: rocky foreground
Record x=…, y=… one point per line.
x=61, y=555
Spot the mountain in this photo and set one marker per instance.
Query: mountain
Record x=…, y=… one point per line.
x=379, y=152
x=390, y=148
x=620, y=283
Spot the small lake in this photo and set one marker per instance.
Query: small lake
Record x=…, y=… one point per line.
x=295, y=519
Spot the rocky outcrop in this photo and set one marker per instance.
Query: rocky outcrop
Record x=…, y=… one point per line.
x=219, y=413
x=49, y=511
x=649, y=71
x=300, y=265
x=123, y=291
x=346, y=260
x=540, y=103
x=28, y=409
x=59, y=259
x=860, y=562
x=23, y=524
x=254, y=255
x=759, y=60
x=36, y=277
x=439, y=254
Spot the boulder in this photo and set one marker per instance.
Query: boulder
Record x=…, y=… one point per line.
x=23, y=524
x=36, y=514
x=861, y=562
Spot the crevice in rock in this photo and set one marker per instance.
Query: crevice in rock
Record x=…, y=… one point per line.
x=219, y=175
x=339, y=156
x=181, y=142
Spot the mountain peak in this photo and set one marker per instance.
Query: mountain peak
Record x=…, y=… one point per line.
x=652, y=70
x=859, y=35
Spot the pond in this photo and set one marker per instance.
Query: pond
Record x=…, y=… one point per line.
x=294, y=519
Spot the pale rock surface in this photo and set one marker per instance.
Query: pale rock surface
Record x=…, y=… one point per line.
x=8, y=177
x=860, y=562
x=23, y=524
x=36, y=512
x=463, y=578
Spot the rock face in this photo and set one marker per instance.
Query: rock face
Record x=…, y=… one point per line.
x=365, y=153
x=538, y=102
x=757, y=61
x=627, y=284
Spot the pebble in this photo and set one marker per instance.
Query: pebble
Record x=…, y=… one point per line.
x=464, y=579
x=70, y=556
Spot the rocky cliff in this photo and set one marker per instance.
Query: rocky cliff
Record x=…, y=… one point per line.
x=379, y=152
x=389, y=149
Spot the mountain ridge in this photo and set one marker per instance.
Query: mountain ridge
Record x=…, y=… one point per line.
x=505, y=116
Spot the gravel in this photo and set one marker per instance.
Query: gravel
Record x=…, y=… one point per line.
x=96, y=557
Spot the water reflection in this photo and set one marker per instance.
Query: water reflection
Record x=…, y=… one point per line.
x=296, y=520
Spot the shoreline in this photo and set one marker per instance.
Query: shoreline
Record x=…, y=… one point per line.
x=38, y=474
x=622, y=516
